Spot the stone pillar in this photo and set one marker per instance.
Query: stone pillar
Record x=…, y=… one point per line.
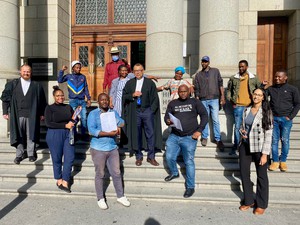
x=219, y=39
x=219, y=34
x=9, y=38
x=164, y=43
x=9, y=49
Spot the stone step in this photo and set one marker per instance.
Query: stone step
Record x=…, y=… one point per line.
x=153, y=193
x=208, y=152
x=210, y=163
x=204, y=179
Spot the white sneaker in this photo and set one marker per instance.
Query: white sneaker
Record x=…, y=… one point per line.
x=102, y=204
x=124, y=201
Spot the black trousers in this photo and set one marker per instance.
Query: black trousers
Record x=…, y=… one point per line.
x=262, y=183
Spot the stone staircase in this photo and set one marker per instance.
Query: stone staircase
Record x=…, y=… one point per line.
x=217, y=176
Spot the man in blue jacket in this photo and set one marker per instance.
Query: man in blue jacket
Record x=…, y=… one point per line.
x=78, y=91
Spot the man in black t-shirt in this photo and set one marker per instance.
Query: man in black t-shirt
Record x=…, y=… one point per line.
x=184, y=135
x=285, y=104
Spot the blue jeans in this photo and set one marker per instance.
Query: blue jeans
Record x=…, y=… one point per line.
x=77, y=102
x=212, y=107
x=238, y=119
x=188, y=146
x=281, y=131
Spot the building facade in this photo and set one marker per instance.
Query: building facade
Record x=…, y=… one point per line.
x=160, y=34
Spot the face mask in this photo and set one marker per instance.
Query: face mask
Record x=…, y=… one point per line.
x=115, y=58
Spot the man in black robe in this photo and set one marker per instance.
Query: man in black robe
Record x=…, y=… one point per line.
x=23, y=103
x=142, y=116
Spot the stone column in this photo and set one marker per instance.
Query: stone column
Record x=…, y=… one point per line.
x=219, y=39
x=164, y=43
x=9, y=38
x=9, y=49
x=219, y=34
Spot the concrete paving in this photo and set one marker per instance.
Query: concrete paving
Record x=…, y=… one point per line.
x=31, y=210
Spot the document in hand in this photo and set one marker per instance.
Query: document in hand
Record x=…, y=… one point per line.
x=176, y=122
x=108, y=121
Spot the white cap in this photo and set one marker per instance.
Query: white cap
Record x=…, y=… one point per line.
x=76, y=62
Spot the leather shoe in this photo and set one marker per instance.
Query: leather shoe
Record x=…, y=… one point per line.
x=189, y=192
x=259, y=211
x=66, y=189
x=32, y=159
x=139, y=162
x=245, y=207
x=18, y=160
x=153, y=162
x=171, y=177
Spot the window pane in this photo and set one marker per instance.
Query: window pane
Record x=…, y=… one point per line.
x=84, y=55
x=123, y=51
x=91, y=11
x=99, y=56
x=130, y=11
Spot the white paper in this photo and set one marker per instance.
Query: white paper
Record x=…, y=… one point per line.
x=108, y=121
x=176, y=122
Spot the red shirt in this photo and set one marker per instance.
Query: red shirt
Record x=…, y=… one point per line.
x=111, y=72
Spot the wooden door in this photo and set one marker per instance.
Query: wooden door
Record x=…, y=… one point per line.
x=271, y=47
x=94, y=57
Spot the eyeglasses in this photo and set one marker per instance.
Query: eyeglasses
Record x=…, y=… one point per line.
x=259, y=95
x=137, y=70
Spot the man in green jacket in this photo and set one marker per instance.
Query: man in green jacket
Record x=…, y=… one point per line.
x=239, y=91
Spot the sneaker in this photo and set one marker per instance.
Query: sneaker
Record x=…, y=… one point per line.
x=204, y=141
x=18, y=160
x=220, y=146
x=124, y=201
x=102, y=204
x=283, y=166
x=274, y=166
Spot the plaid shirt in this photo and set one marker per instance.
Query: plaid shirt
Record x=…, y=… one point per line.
x=259, y=139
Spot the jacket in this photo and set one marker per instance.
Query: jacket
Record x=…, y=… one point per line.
x=77, y=85
x=208, y=86
x=260, y=140
x=233, y=86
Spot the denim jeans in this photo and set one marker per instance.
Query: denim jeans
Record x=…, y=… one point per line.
x=281, y=131
x=238, y=119
x=187, y=145
x=212, y=108
x=77, y=102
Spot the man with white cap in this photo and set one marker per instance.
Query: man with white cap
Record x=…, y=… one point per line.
x=78, y=91
x=111, y=68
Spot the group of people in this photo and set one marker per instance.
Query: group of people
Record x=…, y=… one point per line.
x=129, y=106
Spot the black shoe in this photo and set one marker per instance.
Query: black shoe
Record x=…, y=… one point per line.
x=220, y=146
x=232, y=152
x=66, y=189
x=32, y=159
x=171, y=177
x=189, y=192
x=18, y=160
x=24, y=155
